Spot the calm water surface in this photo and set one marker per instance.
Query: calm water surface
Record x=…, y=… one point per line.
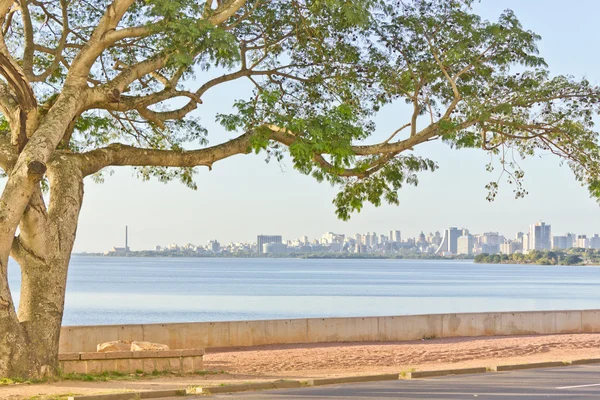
x=110, y=290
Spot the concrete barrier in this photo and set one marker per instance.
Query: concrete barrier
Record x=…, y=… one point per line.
x=444, y=372
x=129, y=362
x=248, y=387
x=315, y=330
x=514, y=367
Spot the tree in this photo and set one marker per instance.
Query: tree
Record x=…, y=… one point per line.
x=89, y=85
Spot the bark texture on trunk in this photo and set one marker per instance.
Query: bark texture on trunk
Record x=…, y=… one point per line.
x=29, y=338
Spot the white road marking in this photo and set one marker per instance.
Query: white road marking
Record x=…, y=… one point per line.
x=578, y=386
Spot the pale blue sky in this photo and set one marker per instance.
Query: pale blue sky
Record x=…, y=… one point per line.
x=243, y=196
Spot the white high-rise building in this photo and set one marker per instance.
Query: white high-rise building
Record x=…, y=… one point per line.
x=526, y=243
x=595, y=242
x=330, y=237
x=560, y=242
x=395, y=236
x=374, y=240
x=582, y=242
x=465, y=244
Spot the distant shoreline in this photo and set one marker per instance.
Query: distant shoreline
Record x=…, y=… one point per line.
x=568, y=257
x=338, y=256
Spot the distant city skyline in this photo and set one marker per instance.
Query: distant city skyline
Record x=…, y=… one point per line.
x=536, y=236
x=454, y=242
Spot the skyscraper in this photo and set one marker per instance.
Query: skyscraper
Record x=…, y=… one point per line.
x=540, y=236
x=450, y=241
x=263, y=239
x=559, y=242
x=465, y=244
x=526, y=242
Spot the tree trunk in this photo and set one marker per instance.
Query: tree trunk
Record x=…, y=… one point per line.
x=30, y=345
x=29, y=339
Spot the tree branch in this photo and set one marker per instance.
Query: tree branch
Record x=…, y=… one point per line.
x=226, y=10
x=58, y=57
x=120, y=155
x=29, y=46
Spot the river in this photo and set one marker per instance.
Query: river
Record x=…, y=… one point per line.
x=114, y=290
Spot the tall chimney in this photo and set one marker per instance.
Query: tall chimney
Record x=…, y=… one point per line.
x=126, y=246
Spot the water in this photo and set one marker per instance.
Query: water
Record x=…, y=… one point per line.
x=110, y=290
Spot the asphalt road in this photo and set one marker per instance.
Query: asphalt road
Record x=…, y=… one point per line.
x=575, y=382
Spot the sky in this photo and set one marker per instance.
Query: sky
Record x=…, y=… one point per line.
x=243, y=196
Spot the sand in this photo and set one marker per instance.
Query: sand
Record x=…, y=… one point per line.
x=304, y=361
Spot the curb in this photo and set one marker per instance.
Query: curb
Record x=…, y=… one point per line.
x=249, y=387
x=586, y=361
x=514, y=367
x=352, y=379
x=444, y=372
x=155, y=394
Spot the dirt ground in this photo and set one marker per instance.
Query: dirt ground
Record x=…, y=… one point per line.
x=305, y=361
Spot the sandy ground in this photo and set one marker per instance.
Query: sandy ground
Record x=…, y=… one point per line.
x=304, y=361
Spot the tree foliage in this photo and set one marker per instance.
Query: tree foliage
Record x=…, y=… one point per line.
x=543, y=257
x=321, y=69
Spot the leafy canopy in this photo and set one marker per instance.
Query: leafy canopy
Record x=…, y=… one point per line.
x=321, y=69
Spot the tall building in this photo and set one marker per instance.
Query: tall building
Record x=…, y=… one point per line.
x=367, y=239
x=449, y=243
x=492, y=241
x=383, y=239
x=582, y=242
x=595, y=242
x=465, y=244
x=571, y=240
x=519, y=237
x=509, y=247
x=526, y=243
x=214, y=246
x=331, y=237
x=264, y=239
x=395, y=236
x=374, y=240
x=274, y=248
x=540, y=236
x=560, y=242
x=437, y=239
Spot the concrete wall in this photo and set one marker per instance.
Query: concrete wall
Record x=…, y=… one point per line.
x=130, y=362
x=313, y=330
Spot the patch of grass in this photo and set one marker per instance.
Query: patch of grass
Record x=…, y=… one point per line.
x=53, y=396
x=432, y=337
x=208, y=372
x=405, y=372
x=101, y=377
x=138, y=375
x=181, y=392
x=19, y=381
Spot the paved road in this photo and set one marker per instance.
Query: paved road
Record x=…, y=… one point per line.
x=575, y=382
